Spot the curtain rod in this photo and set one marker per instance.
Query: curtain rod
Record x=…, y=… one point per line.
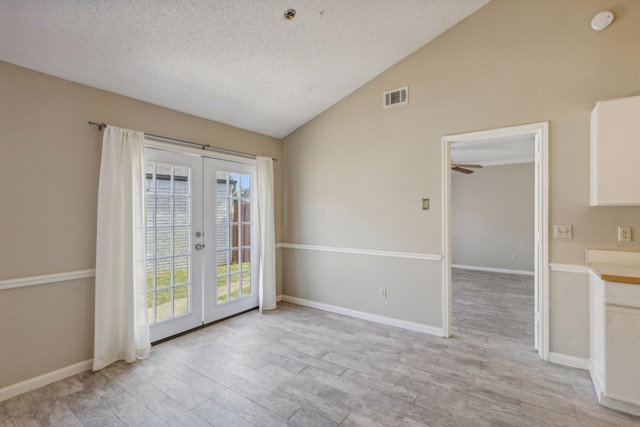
x=101, y=126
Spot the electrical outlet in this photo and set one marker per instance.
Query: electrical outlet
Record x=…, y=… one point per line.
x=383, y=293
x=624, y=234
x=563, y=231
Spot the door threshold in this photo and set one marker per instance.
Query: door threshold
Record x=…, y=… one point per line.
x=197, y=328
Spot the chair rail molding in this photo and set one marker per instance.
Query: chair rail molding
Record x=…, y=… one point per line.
x=44, y=279
x=373, y=252
x=569, y=268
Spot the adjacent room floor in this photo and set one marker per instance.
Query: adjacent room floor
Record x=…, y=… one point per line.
x=304, y=367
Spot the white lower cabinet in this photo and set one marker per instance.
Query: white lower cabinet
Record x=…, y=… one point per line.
x=614, y=364
x=623, y=353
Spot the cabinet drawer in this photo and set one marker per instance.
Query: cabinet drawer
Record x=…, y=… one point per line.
x=622, y=294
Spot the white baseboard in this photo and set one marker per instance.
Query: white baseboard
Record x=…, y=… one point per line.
x=597, y=385
x=620, y=405
x=42, y=380
x=278, y=298
x=566, y=360
x=492, y=270
x=412, y=326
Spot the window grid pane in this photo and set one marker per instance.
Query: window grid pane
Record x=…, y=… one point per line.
x=169, y=230
x=233, y=240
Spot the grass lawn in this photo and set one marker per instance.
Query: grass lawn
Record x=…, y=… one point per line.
x=234, y=281
x=225, y=275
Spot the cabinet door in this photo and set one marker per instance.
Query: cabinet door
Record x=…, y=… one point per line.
x=615, y=149
x=623, y=348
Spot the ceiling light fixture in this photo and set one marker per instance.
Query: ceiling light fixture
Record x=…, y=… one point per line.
x=290, y=14
x=602, y=20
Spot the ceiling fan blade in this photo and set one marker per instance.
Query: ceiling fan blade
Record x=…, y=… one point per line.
x=468, y=166
x=459, y=169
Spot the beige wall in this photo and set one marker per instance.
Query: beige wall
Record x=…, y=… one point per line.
x=355, y=174
x=354, y=279
x=492, y=214
x=49, y=166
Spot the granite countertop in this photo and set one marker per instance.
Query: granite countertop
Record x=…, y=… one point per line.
x=617, y=272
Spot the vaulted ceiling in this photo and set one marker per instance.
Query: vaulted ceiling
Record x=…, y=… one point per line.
x=237, y=62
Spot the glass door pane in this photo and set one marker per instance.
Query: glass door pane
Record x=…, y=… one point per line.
x=173, y=210
x=230, y=279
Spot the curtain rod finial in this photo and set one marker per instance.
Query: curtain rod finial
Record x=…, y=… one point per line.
x=100, y=126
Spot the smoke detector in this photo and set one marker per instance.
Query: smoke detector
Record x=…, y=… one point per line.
x=602, y=20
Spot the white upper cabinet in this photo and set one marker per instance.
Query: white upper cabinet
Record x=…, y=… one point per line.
x=615, y=153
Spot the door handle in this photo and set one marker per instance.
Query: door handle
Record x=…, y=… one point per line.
x=199, y=246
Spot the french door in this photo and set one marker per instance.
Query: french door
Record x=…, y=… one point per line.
x=231, y=215
x=201, y=241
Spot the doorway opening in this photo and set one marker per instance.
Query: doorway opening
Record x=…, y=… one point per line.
x=508, y=140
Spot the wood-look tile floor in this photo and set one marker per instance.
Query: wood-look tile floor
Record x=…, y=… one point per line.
x=302, y=367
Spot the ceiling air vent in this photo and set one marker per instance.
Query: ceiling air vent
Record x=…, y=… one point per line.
x=395, y=97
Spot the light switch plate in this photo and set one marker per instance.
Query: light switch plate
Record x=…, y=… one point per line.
x=563, y=232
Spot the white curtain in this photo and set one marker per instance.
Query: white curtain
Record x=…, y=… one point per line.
x=266, y=222
x=121, y=326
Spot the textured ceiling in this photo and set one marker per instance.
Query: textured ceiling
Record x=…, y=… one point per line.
x=237, y=62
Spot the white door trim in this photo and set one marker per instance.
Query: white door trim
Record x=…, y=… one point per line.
x=175, y=148
x=541, y=274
